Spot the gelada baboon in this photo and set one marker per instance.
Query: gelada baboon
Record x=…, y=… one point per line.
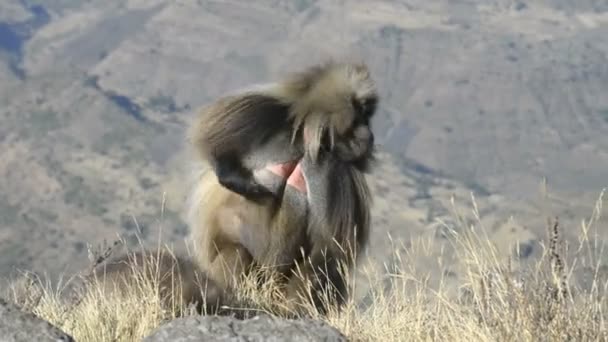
x=310, y=132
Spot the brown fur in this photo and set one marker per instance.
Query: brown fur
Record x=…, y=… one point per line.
x=319, y=118
x=318, y=99
x=337, y=231
x=178, y=281
x=329, y=106
x=312, y=233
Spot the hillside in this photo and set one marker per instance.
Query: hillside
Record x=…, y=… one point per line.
x=478, y=96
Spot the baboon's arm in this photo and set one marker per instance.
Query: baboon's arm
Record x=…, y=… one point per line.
x=231, y=130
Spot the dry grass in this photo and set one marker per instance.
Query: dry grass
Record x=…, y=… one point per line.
x=494, y=301
x=95, y=315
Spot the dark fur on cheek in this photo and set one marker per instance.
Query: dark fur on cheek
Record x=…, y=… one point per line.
x=355, y=147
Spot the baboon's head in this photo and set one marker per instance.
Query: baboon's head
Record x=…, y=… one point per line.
x=335, y=102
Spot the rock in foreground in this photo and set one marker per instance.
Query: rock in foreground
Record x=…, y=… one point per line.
x=17, y=325
x=260, y=328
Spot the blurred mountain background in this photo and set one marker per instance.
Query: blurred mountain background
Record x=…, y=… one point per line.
x=483, y=97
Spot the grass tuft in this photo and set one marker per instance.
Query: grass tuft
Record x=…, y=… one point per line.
x=492, y=300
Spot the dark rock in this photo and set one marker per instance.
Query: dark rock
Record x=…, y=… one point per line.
x=18, y=325
x=260, y=328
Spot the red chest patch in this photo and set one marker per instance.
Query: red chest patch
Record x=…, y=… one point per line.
x=292, y=172
x=282, y=170
x=296, y=179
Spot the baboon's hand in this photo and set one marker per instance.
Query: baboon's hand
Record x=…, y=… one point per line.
x=234, y=177
x=249, y=189
x=253, y=190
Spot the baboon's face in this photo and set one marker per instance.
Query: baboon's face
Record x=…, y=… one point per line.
x=362, y=100
x=356, y=126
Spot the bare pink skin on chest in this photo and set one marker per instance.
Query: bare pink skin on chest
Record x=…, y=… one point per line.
x=282, y=170
x=292, y=172
x=296, y=179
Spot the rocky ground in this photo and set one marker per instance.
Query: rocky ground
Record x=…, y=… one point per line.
x=19, y=326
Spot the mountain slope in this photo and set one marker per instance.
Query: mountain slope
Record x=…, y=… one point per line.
x=488, y=97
